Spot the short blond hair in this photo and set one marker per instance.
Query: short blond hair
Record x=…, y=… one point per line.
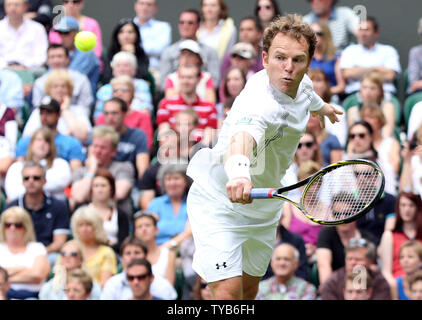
x=106, y=132
x=124, y=80
x=93, y=217
x=23, y=216
x=57, y=75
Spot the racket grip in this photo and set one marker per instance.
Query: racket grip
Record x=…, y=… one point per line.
x=261, y=193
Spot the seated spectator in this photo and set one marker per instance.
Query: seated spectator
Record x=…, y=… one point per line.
x=68, y=148
x=115, y=222
x=71, y=258
x=123, y=87
x=408, y=226
x=190, y=53
x=100, y=259
x=414, y=66
x=201, y=290
x=101, y=156
x=326, y=59
x=78, y=285
x=8, y=138
x=117, y=287
x=415, y=286
x=125, y=37
x=12, y=93
x=414, y=120
x=58, y=58
x=74, y=9
x=371, y=92
x=242, y=55
x=411, y=173
x=4, y=283
x=23, y=41
x=360, y=257
x=132, y=144
x=50, y=216
x=284, y=285
x=161, y=258
x=74, y=119
x=41, y=149
x=265, y=11
x=410, y=257
x=24, y=259
x=40, y=11
x=169, y=107
x=140, y=277
x=369, y=55
x=84, y=62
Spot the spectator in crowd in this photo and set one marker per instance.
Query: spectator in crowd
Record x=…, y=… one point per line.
x=201, y=290
x=74, y=9
x=58, y=58
x=284, y=285
x=12, y=93
x=161, y=258
x=343, y=21
x=101, y=156
x=410, y=178
x=369, y=55
x=8, y=138
x=321, y=84
x=71, y=258
x=67, y=147
x=415, y=286
x=410, y=257
x=265, y=11
x=100, y=259
x=24, y=259
x=87, y=62
x=116, y=222
x=78, y=285
x=74, y=119
x=408, y=226
x=169, y=107
x=250, y=31
x=43, y=150
x=155, y=34
x=117, y=287
x=50, y=216
x=414, y=66
x=132, y=145
x=190, y=53
x=4, y=283
x=125, y=37
x=326, y=58
x=188, y=25
x=123, y=87
x=372, y=92
x=23, y=41
x=40, y=11
x=140, y=277
x=217, y=29
x=360, y=257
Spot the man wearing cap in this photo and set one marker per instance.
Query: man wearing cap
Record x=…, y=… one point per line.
x=23, y=42
x=188, y=25
x=67, y=147
x=85, y=62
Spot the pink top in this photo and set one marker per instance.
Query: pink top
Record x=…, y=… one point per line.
x=308, y=232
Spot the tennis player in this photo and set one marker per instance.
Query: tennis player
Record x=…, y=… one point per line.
x=234, y=237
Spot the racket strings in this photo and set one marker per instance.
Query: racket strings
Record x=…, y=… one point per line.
x=342, y=193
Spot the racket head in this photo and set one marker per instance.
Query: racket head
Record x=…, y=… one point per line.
x=342, y=192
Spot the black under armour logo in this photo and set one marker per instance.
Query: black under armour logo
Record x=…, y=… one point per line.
x=218, y=266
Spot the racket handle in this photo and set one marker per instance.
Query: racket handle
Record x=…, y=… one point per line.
x=261, y=193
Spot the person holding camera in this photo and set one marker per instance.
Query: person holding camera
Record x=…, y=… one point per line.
x=411, y=175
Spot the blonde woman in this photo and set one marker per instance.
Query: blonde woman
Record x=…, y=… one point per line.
x=74, y=119
x=24, y=259
x=100, y=259
x=41, y=149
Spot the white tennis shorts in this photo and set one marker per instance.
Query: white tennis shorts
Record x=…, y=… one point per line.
x=227, y=243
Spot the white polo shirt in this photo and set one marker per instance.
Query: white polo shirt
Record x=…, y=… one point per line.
x=276, y=122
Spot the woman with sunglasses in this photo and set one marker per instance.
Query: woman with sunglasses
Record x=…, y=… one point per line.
x=74, y=9
x=71, y=258
x=266, y=11
x=41, y=149
x=360, y=141
x=24, y=259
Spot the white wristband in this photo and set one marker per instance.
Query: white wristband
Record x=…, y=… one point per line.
x=237, y=166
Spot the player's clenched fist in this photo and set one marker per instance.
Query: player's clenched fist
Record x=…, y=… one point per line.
x=239, y=189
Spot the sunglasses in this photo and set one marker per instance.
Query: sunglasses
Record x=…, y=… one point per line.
x=70, y=253
x=203, y=285
x=139, y=277
x=268, y=7
x=121, y=90
x=360, y=135
x=358, y=242
x=319, y=33
x=191, y=23
x=35, y=178
x=63, y=32
x=305, y=144
x=72, y=1
x=18, y=225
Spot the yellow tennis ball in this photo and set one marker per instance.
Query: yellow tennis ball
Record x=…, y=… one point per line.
x=85, y=40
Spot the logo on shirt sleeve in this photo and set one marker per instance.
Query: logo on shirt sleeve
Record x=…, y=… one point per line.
x=244, y=120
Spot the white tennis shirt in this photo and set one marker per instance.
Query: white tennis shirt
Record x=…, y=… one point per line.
x=276, y=122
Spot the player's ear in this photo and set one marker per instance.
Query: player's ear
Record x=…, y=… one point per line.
x=264, y=59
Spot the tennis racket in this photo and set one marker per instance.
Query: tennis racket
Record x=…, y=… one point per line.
x=337, y=194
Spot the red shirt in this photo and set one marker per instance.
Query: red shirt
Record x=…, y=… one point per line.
x=398, y=239
x=206, y=111
x=137, y=120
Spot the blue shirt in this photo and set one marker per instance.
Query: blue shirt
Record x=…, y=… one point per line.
x=400, y=289
x=330, y=143
x=11, y=90
x=328, y=66
x=170, y=223
x=67, y=147
x=86, y=63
